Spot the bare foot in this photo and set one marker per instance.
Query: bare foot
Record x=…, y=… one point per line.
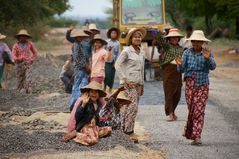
x=175, y=117
x=196, y=142
x=170, y=117
x=69, y=136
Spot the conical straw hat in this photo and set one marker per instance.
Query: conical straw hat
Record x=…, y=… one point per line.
x=23, y=32
x=122, y=96
x=86, y=30
x=2, y=36
x=79, y=33
x=98, y=37
x=92, y=26
x=93, y=86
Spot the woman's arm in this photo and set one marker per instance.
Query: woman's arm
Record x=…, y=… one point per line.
x=68, y=36
x=108, y=55
x=181, y=62
x=34, y=51
x=119, y=65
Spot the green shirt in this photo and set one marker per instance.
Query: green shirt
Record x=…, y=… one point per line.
x=170, y=52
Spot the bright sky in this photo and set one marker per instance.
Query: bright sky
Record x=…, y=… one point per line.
x=88, y=8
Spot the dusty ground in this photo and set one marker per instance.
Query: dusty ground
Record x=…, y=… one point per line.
x=48, y=113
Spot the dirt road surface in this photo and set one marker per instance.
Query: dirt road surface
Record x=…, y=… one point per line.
x=31, y=126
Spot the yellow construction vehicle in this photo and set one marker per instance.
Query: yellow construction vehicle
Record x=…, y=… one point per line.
x=149, y=14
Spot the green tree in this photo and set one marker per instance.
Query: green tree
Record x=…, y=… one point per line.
x=196, y=8
x=228, y=9
x=29, y=12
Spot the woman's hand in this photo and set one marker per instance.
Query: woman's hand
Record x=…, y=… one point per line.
x=206, y=54
x=179, y=60
x=85, y=99
x=141, y=90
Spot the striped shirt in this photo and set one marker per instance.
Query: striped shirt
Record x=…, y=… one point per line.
x=196, y=65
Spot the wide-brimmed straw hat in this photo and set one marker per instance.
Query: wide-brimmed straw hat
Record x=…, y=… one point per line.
x=198, y=35
x=98, y=37
x=113, y=29
x=94, y=86
x=92, y=26
x=173, y=33
x=79, y=33
x=132, y=31
x=23, y=32
x=2, y=36
x=123, y=97
x=87, y=30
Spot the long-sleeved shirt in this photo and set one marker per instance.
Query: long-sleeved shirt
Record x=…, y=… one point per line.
x=26, y=52
x=186, y=44
x=4, y=48
x=130, y=66
x=197, y=65
x=85, y=114
x=79, y=58
x=98, y=63
x=115, y=48
x=169, y=52
x=86, y=45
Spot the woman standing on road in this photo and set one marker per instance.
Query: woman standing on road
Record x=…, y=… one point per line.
x=130, y=68
x=113, y=35
x=195, y=64
x=99, y=57
x=24, y=54
x=172, y=79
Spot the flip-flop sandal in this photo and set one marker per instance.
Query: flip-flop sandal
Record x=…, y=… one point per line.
x=196, y=143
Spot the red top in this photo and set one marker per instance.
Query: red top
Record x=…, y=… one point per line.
x=27, y=53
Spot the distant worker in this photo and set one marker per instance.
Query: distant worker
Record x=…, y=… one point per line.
x=24, y=54
x=4, y=49
x=99, y=57
x=81, y=66
x=186, y=44
x=113, y=42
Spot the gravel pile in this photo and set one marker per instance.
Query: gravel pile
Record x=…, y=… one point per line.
x=13, y=139
x=39, y=124
x=15, y=111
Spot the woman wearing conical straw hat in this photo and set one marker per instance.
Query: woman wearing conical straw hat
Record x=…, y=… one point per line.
x=81, y=65
x=99, y=57
x=24, y=54
x=110, y=114
x=85, y=119
x=196, y=64
x=3, y=49
x=86, y=45
x=130, y=68
x=172, y=79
